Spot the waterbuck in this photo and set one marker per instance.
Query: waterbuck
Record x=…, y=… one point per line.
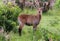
x=30, y=20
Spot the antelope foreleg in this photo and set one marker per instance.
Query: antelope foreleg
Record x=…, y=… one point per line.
x=20, y=29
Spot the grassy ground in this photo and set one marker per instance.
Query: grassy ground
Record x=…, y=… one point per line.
x=50, y=23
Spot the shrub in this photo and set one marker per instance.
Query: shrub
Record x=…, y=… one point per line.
x=8, y=16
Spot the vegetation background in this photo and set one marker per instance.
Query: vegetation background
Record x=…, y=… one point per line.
x=49, y=27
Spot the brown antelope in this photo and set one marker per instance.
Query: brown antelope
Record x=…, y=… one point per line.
x=30, y=20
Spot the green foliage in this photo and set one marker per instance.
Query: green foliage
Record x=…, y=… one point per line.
x=8, y=16
x=49, y=26
x=58, y=3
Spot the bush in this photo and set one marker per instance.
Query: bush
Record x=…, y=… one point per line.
x=57, y=4
x=8, y=16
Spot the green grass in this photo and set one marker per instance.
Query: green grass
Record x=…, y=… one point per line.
x=1, y=2
x=49, y=26
x=50, y=22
